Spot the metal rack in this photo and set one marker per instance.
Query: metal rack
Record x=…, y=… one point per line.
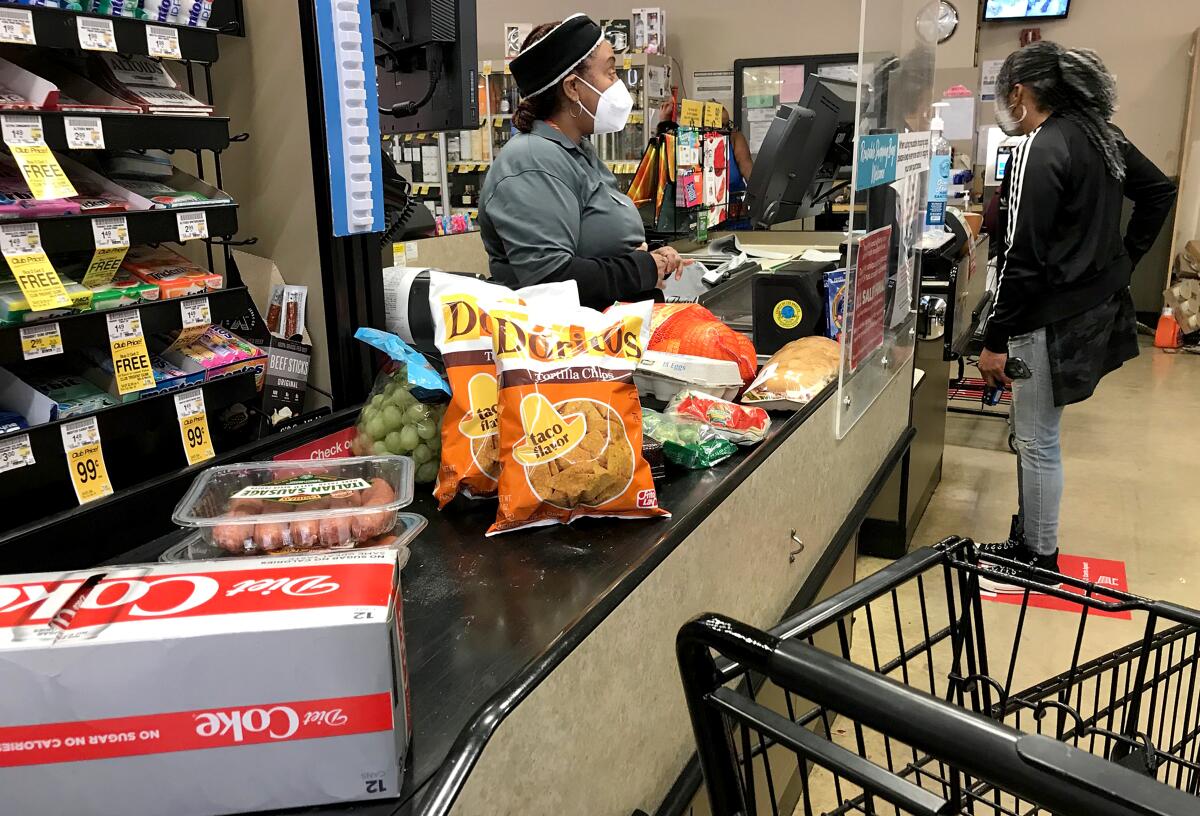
x=142, y=443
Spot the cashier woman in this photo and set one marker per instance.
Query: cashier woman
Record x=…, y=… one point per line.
x=550, y=209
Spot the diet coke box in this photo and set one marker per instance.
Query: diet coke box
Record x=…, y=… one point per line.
x=204, y=688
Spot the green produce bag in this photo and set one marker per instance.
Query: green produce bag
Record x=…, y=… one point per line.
x=687, y=443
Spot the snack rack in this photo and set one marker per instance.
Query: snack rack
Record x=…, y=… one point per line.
x=675, y=217
x=141, y=441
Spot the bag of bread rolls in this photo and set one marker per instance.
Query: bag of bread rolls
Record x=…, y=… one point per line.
x=795, y=374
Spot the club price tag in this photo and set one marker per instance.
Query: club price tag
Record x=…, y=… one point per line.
x=84, y=132
x=16, y=26
x=111, y=236
x=193, y=426
x=163, y=42
x=96, y=34
x=192, y=225
x=21, y=245
x=714, y=115
x=15, y=452
x=131, y=360
x=42, y=172
x=85, y=460
x=197, y=317
x=41, y=341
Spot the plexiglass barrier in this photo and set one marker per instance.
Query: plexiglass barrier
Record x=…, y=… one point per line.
x=890, y=182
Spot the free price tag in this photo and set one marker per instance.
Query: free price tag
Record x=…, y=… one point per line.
x=192, y=225
x=16, y=26
x=131, y=360
x=41, y=341
x=163, y=42
x=111, y=236
x=15, y=452
x=21, y=245
x=196, y=318
x=96, y=34
x=84, y=132
x=193, y=426
x=85, y=460
x=27, y=143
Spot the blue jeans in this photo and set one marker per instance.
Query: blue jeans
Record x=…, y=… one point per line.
x=1035, y=421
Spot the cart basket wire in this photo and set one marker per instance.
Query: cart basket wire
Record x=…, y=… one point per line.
x=896, y=696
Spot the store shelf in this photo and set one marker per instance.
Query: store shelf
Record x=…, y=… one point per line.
x=90, y=330
x=468, y=166
x=57, y=28
x=143, y=130
x=141, y=441
x=74, y=232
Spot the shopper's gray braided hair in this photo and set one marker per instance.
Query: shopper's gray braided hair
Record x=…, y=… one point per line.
x=1073, y=83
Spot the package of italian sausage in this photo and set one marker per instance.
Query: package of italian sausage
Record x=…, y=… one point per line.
x=462, y=309
x=570, y=420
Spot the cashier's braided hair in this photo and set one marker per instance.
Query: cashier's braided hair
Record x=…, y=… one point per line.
x=548, y=102
x=1075, y=84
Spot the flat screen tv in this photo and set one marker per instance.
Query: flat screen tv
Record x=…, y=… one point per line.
x=1001, y=10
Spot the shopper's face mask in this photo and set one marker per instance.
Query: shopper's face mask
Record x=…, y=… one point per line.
x=1007, y=121
x=613, y=109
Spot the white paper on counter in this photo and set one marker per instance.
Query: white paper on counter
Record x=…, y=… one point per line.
x=689, y=287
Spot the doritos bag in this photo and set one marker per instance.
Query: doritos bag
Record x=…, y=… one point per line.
x=461, y=308
x=570, y=421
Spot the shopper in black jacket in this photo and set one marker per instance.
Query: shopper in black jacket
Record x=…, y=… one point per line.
x=1062, y=304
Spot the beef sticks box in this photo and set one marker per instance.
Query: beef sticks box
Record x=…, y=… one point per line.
x=203, y=688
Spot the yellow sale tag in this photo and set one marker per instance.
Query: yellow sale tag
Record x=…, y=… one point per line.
x=627, y=62
x=691, y=113
x=399, y=258
x=193, y=426
x=38, y=281
x=714, y=115
x=42, y=172
x=131, y=360
x=43, y=340
x=85, y=460
x=486, y=70
x=104, y=266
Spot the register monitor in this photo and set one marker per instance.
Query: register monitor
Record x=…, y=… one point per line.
x=804, y=150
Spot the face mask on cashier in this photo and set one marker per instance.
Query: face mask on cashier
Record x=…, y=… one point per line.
x=612, y=111
x=1011, y=125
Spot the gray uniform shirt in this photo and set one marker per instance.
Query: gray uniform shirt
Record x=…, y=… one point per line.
x=547, y=200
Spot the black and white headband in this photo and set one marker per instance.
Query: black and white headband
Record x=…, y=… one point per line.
x=548, y=61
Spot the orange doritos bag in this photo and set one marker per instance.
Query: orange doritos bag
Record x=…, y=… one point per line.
x=462, y=309
x=570, y=421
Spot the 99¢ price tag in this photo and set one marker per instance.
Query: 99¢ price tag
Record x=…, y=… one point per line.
x=193, y=426
x=85, y=460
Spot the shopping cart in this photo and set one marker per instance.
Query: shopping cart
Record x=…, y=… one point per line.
x=843, y=710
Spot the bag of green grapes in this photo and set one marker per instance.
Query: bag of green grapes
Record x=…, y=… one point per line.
x=403, y=415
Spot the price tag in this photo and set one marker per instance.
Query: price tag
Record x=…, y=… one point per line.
x=21, y=245
x=691, y=113
x=192, y=225
x=486, y=68
x=96, y=34
x=131, y=360
x=163, y=42
x=22, y=130
x=42, y=172
x=85, y=460
x=193, y=426
x=111, y=236
x=41, y=341
x=714, y=115
x=84, y=132
x=627, y=62
x=15, y=452
x=16, y=26
x=196, y=318
x=398, y=254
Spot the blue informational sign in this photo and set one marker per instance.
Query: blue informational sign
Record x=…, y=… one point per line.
x=939, y=191
x=876, y=160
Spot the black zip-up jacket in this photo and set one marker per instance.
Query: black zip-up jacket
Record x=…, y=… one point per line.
x=1060, y=220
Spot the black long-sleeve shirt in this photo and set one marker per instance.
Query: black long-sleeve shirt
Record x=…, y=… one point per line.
x=1063, y=252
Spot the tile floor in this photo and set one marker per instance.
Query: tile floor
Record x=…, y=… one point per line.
x=1131, y=495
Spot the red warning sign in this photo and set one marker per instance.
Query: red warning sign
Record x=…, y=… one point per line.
x=1106, y=574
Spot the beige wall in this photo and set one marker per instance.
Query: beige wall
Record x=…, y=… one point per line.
x=1145, y=45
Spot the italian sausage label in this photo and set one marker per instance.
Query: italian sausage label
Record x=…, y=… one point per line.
x=300, y=489
x=142, y=735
